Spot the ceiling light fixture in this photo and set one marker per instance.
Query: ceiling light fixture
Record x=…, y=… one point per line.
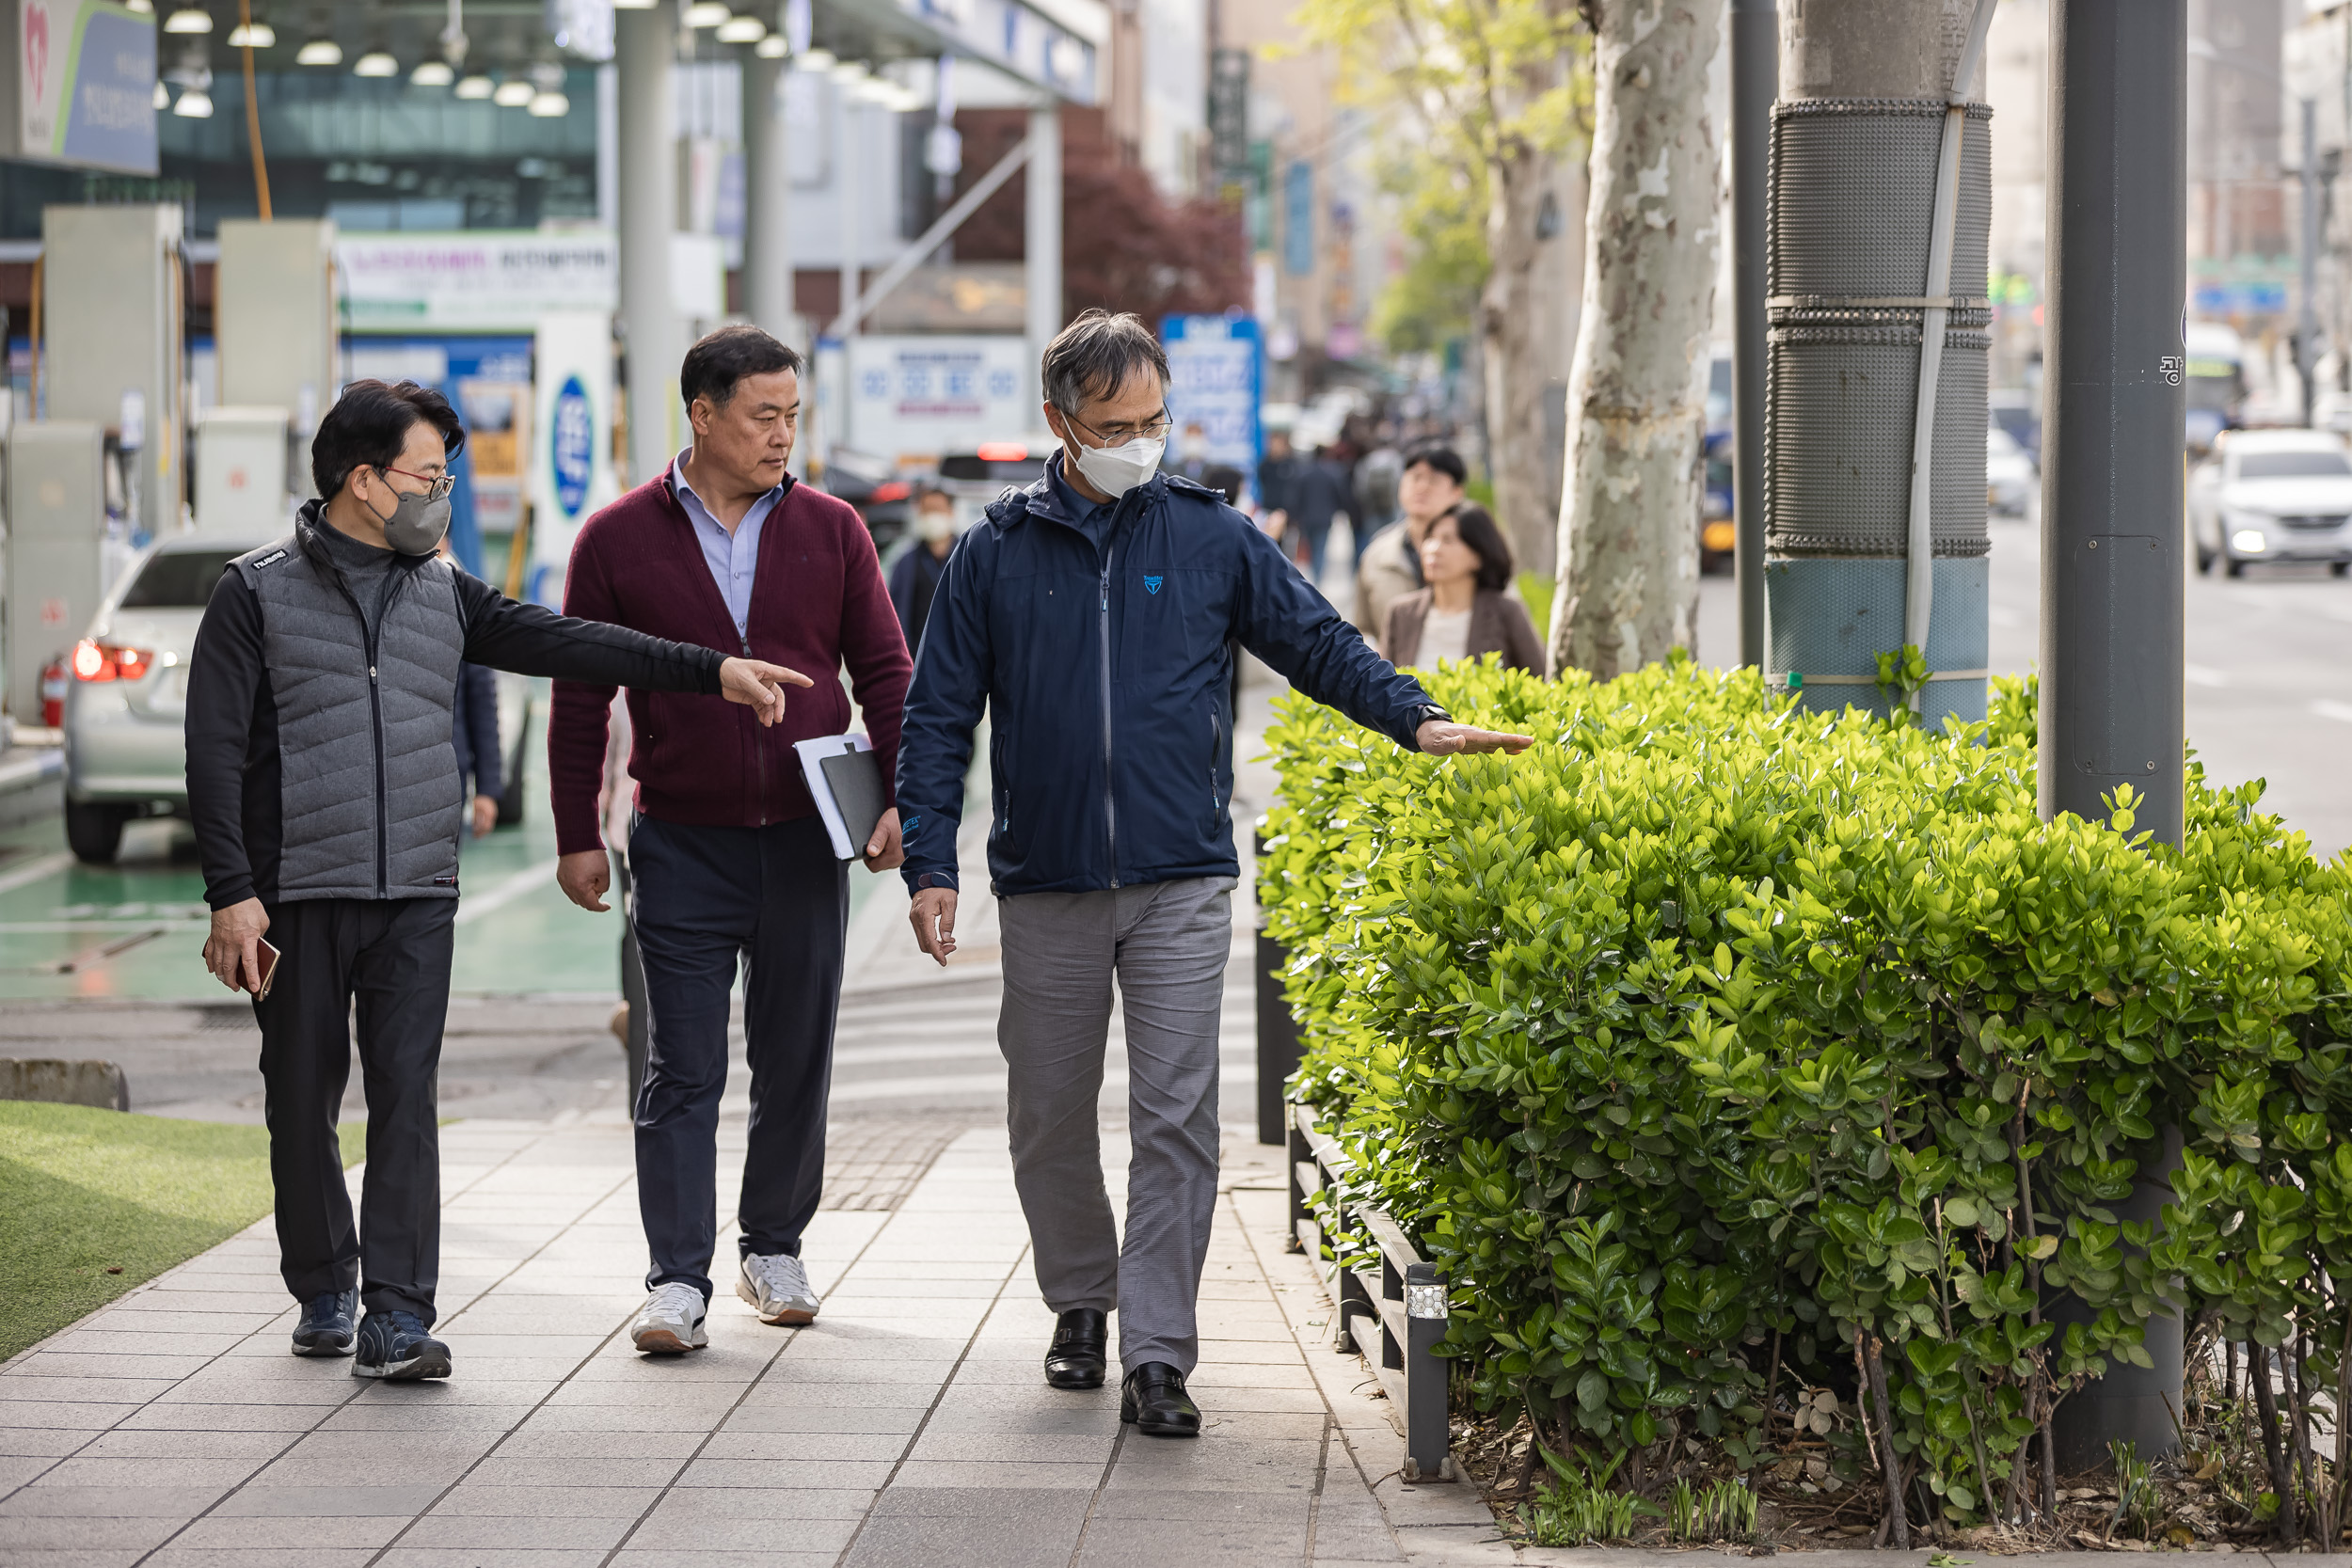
x=163, y=96
x=815, y=60
x=144, y=7
x=187, y=19
x=376, y=62
x=432, y=73
x=513, y=93
x=195, y=103
x=319, y=52
x=253, y=35
x=775, y=46
x=707, y=14
x=634, y=5
x=476, y=86
x=849, y=73
x=549, y=105
x=741, y=29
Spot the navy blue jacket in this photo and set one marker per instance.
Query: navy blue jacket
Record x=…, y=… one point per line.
x=1106, y=674
x=474, y=731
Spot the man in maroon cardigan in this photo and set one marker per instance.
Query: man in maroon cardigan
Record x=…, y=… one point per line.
x=728, y=860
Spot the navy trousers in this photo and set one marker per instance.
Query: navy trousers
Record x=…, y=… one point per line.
x=703, y=900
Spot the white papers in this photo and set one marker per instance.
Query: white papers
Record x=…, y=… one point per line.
x=813, y=754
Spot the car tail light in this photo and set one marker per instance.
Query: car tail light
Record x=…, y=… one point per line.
x=895, y=490
x=109, y=661
x=1002, y=451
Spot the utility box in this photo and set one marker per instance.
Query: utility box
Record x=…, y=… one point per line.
x=274, y=323
x=113, y=344
x=241, y=456
x=56, y=538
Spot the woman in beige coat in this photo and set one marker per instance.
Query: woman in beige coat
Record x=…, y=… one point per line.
x=1463, y=612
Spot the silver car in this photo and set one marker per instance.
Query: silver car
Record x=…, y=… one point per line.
x=127, y=697
x=2272, y=494
x=127, y=694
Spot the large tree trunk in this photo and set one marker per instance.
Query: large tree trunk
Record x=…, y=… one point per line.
x=1527, y=317
x=1628, y=513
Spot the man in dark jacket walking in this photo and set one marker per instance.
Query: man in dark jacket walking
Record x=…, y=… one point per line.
x=326, y=797
x=1092, y=615
x=730, y=867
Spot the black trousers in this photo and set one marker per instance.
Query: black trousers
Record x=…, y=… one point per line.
x=393, y=956
x=703, y=900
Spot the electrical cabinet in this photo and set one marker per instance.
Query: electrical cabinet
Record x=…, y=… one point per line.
x=274, y=324
x=241, y=471
x=55, y=548
x=113, y=344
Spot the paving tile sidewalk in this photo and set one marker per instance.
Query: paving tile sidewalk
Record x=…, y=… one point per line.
x=909, y=1426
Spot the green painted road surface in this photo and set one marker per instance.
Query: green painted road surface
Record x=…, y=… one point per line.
x=136, y=930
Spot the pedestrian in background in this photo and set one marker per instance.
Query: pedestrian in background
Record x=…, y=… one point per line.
x=1390, y=568
x=1463, y=613
x=1319, y=493
x=1277, y=481
x=914, y=576
x=730, y=865
x=324, y=788
x=1090, y=616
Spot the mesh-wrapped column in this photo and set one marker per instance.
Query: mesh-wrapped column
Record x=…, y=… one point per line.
x=1852, y=209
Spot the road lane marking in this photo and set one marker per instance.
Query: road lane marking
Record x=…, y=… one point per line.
x=33, y=871
x=528, y=881
x=2328, y=708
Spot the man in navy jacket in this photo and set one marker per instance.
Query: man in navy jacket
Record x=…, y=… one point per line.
x=1092, y=615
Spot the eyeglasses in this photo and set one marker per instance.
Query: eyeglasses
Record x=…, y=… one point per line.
x=1120, y=435
x=441, y=487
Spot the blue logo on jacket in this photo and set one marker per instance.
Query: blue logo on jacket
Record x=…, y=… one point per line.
x=1151, y=585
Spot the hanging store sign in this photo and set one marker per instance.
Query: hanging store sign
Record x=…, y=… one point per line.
x=923, y=396
x=572, y=434
x=1216, y=380
x=84, y=85
x=1015, y=38
x=472, y=282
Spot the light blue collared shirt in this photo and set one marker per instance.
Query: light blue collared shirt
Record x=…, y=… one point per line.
x=733, y=558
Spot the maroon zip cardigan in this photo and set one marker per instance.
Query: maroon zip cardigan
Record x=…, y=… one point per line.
x=818, y=603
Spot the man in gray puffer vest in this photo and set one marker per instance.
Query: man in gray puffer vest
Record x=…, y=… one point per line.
x=325, y=797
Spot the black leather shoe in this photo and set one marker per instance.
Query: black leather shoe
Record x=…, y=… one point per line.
x=1154, y=1400
x=1075, y=1359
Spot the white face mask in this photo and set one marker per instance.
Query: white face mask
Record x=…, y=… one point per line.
x=1116, y=471
x=934, y=523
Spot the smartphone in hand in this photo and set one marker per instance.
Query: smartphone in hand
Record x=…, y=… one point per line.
x=268, y=956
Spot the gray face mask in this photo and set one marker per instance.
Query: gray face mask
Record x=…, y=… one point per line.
x=417, y=525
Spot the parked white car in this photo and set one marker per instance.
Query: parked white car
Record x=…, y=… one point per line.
x=127, y=697
x=2272, y=494
x=2009, y=475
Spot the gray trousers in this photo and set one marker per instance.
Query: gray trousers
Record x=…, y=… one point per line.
x=1166, y=943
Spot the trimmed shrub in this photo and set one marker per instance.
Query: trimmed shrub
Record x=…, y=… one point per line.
x=1711, y=1049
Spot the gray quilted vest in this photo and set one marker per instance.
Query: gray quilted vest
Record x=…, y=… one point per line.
x=367, y=777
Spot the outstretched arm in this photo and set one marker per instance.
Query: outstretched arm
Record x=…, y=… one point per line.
x=1293, y=628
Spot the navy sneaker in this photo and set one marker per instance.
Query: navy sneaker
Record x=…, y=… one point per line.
x=395, y=1345
x=326, y=1325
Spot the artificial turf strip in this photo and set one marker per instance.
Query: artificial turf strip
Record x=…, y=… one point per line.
x=85, y=1191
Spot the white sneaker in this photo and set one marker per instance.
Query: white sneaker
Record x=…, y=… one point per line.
x=671, y=1321
x=777, y=1287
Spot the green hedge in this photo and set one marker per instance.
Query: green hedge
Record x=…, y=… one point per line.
x=1711, y=1046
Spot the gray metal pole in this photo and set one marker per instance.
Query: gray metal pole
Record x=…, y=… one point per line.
x=2307, y=312
x=767, y=183
x=1042, y=242
x=1754, y=83
x=646, y=48
x=2111, y=524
